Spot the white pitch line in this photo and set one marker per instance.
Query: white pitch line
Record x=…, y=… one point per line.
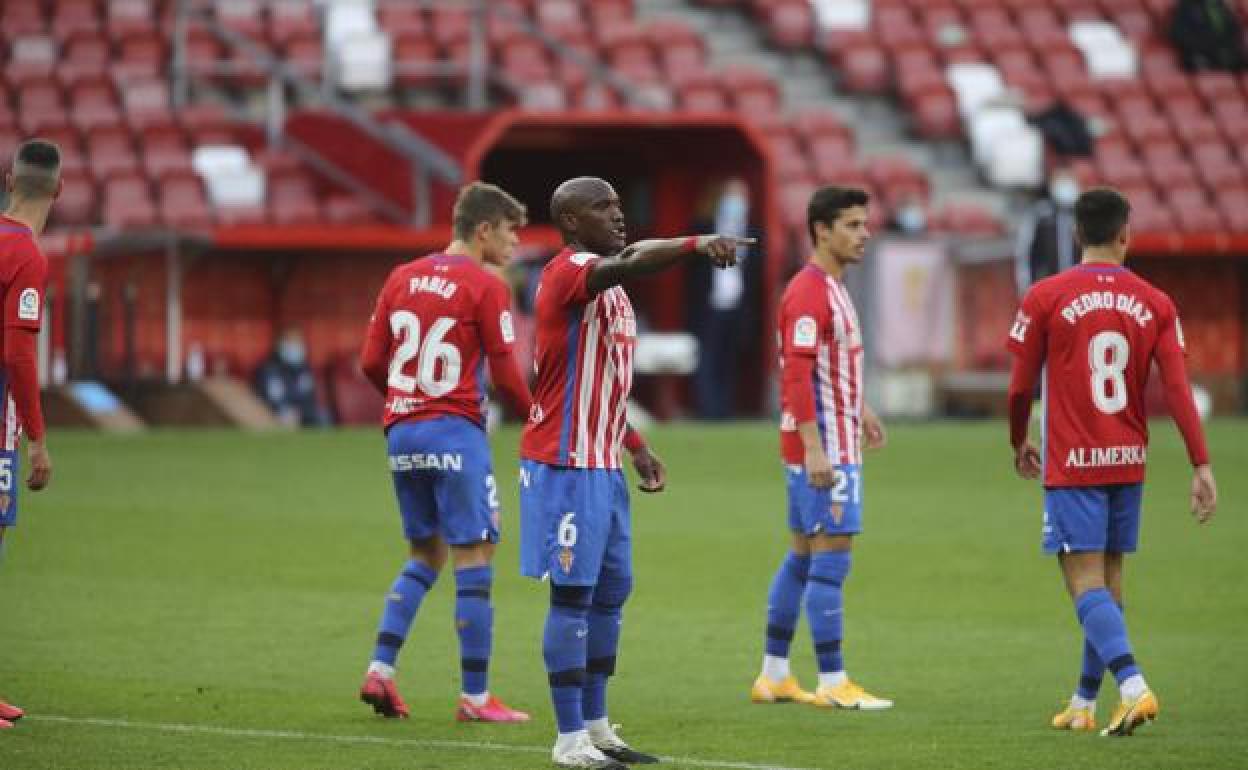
x=238, y=732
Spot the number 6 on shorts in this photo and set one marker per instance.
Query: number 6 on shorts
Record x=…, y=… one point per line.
x=566, y=535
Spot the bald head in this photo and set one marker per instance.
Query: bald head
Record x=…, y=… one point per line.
x=36, y=170
x=574, y=194
x=589, y=215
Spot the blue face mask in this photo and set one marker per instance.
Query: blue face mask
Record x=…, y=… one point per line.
x=734, y=206
x=291, y=352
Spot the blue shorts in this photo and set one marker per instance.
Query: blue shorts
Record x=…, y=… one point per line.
x=836, y=510
x=1100, y=518
x=8, y=487
x=575, y=523
x=443, y=480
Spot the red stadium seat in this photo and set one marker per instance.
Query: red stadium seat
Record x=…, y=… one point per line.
x=140, y=57
x=241, y=16
x=183, y=204
x=131, y=17
x=936, y=115
x=791, y=24
x=412, y=58
x=22, y=19
x=701, y=92
x=306, y=54
x=71, y=17
x=296, y=19
x=866, y=69
x=812, y=123
x=127, y=203
x=788, y=161
x=399, y=20
x=562, y=19
x=77, y=202
x=450, y=24
x=1217, y=87
x=31, y=58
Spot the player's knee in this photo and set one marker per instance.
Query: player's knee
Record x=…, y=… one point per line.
x=573, y=599
x=797, y=566
x=830, y=567
x=611, y=593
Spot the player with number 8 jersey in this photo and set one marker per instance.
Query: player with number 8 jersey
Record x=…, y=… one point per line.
x=437, y=321
x=1095, y=330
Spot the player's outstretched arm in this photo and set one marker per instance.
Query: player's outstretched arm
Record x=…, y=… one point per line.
x=656, y=255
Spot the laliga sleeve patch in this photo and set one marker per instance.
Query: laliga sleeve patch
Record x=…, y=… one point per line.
x=506, y=326
x=1178, y=333
x=805, y=332
x=28, y=305
x=1018, y=331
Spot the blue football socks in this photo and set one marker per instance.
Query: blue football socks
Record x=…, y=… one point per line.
x=404, y=600
x=1104, y=628
x=565, y=646
x=824, y=607
x=474, y=620
x=784, y=603
x=1090, y=676
x=605, y=612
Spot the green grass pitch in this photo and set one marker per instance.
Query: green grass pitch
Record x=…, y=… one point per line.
x=209, y=600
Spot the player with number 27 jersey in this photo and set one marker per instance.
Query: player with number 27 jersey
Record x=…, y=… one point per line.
x=1097, y=329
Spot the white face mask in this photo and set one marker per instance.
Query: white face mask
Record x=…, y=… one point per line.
x=911, y=219
x=1064, y=191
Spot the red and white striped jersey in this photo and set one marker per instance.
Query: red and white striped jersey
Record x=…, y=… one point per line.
x=817, y=320
x=584, y=362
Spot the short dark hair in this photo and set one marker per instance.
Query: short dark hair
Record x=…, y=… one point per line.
x=827, y=204
x=483, y=202
x=36, y=168
x=1100, y=215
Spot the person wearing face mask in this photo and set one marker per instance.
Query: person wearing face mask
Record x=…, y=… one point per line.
x=1046, y=242
x=721, y=303
x=286, y=384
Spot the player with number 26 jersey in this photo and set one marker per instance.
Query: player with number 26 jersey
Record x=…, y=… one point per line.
x=437, y=322
x=439, y=318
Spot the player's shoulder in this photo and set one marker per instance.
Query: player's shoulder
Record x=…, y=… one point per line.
x=1158, y=295
x=806, y=285
x=568, y=257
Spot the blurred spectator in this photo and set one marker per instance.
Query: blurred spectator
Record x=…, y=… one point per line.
x=909, y=217
x=285, y=382
x=1207, y=36
x=1065, y=129
x=1046, y=233
x=723, y=304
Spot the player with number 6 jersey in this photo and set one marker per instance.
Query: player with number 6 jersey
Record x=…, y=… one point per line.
x=1095, y=330
x=438, y=320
